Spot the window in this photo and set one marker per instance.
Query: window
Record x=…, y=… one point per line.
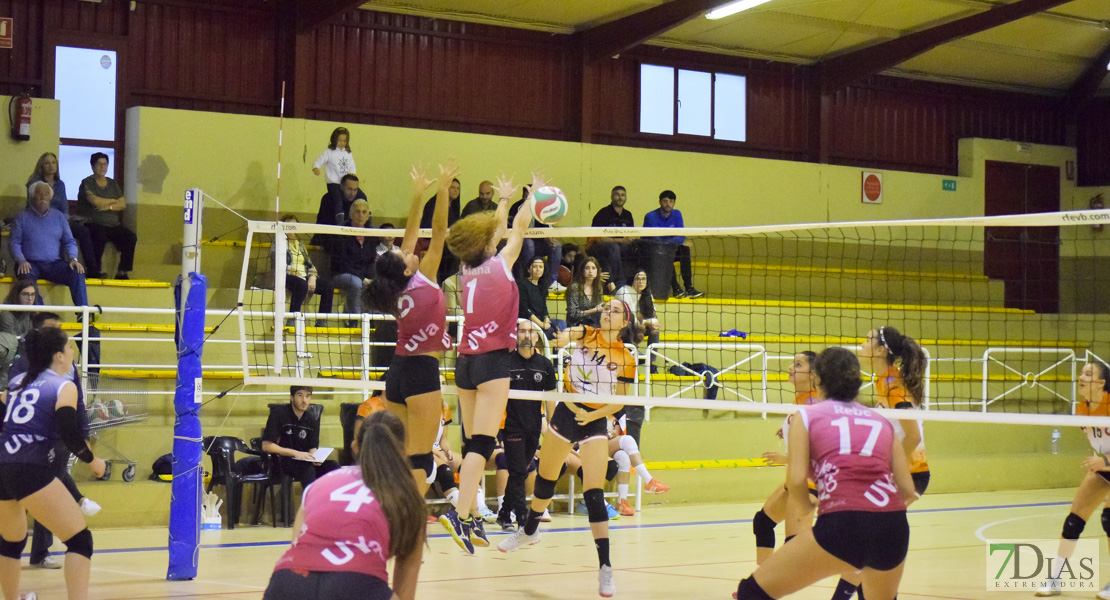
x=695, y=103
x=85, y=87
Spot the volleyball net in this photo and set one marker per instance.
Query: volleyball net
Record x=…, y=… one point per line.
x=1007, y=310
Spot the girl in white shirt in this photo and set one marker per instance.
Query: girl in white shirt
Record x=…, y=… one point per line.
x=336, y=159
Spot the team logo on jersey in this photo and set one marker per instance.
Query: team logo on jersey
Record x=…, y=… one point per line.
x=538, y=377
x=302, y=434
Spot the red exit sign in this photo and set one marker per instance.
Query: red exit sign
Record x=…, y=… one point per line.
x=5, y=32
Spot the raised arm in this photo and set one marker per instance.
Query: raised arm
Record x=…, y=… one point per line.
x=429, y=266
x=420, y=185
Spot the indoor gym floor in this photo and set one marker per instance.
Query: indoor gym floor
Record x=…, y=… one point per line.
x=663, y=552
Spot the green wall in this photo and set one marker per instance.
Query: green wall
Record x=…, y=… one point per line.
x=18, y=158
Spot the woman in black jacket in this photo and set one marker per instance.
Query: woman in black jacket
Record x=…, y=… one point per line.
x=353, y=257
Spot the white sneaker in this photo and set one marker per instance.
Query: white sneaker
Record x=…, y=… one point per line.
x=29, y=596
x=487, y=515
x=518, y=539
x=546, y=518
x=605, y=585
x=557, y=287
x=1105, y=593
x=47, y=563
x=1051, y=587
x=89, y=508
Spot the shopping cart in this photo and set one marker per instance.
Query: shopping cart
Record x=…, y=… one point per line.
x=110, y=402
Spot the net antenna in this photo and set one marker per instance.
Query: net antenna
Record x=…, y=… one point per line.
x=280, y=245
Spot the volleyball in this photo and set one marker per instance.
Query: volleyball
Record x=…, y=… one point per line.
x=548, y=205
x=99, y=412
x=116, y=409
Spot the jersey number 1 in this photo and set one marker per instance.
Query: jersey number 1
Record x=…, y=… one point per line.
x=846, y=434
x=470, y=287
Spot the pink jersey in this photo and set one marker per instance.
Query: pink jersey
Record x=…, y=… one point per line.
x=849, y=458
x=491, y=302
x=422, y=318
x=344, y=528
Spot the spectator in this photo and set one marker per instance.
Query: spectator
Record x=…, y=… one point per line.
x=46, y=169
x=337, y=161
x=100, y=201
x=533, y=300
x=638, y=296
x=449, y=264
x=302, y=279
x=335, y=208
x=352, y=259
x=293, y=433
x=571, y=259
x=43, y=245
x=385, y=244
x=15, y=324
x=667, y=216
x=584, y=296
x=484, y=202
x=611, y=251
x=550, y=248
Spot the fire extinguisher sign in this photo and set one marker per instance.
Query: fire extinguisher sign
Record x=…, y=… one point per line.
x=5, y=32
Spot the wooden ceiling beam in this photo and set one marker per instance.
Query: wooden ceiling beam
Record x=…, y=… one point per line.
x=845, y=69
x=1088, y=83
x=614, y=37
x=312, y=13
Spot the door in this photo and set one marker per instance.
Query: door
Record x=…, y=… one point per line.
x=1027, y=259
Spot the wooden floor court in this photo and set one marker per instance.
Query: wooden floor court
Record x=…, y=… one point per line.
x=663, y=552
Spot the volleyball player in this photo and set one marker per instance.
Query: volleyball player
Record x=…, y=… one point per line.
x=352, y=521
x=1094, y=389
x=624, y=451
x=863, y=486
x=490, y=301
x=600, y=364
x=41, y=408
x=899, y=363
x=804, y=380
x=405, y=287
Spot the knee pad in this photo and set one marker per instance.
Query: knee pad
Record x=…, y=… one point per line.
x=750, y=590
x=624, y=464
x=423, y=462
x=483, y=445
x=764, y=529
x=501, y=462
x=445, y=478
x=629, y=445
x=12, y=550
x=1073, y=526
x=595, y=505
x=1106, y=521
x=562, y=471
x=81, y=543
x=544, y=489
x=611, y=470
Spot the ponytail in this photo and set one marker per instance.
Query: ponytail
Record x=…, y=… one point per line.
x=912, y=368
x=633, y=333
x=388, y=284
x=40, y=346
x=385, y=470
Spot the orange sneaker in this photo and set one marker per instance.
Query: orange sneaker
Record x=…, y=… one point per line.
x=625, y=509
x=656, y=487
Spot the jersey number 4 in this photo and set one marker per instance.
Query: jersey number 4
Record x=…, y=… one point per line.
x=22, y=408
x=846, y=434
x=355, y=500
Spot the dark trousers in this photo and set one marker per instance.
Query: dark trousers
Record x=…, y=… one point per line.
x=121, y=237
x=58, y=271
x=85, y=245
x=612, y=257
x=682, y=257
x=520, y=448
x=634, y=421
x=298, y=293
x=41, y=538
x=304, y=472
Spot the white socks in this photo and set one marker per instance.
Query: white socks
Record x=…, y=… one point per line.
x=642, y=471
x=622, y=491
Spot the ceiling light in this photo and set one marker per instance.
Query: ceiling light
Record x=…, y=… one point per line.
x=733, y=7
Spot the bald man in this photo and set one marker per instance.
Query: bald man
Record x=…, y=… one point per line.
x=483, y=202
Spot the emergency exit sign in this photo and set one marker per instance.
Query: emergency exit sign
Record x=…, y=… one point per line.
x=948, y=185
x=5, y=32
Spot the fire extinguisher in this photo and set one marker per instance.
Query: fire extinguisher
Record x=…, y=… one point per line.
x=19, y=111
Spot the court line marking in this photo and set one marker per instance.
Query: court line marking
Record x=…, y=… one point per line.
x=979, y=532
x=233, y=545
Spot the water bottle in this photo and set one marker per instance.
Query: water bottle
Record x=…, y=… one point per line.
x=1055, y=441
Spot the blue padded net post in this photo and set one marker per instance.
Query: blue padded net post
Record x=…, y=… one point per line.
x=185, y=502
